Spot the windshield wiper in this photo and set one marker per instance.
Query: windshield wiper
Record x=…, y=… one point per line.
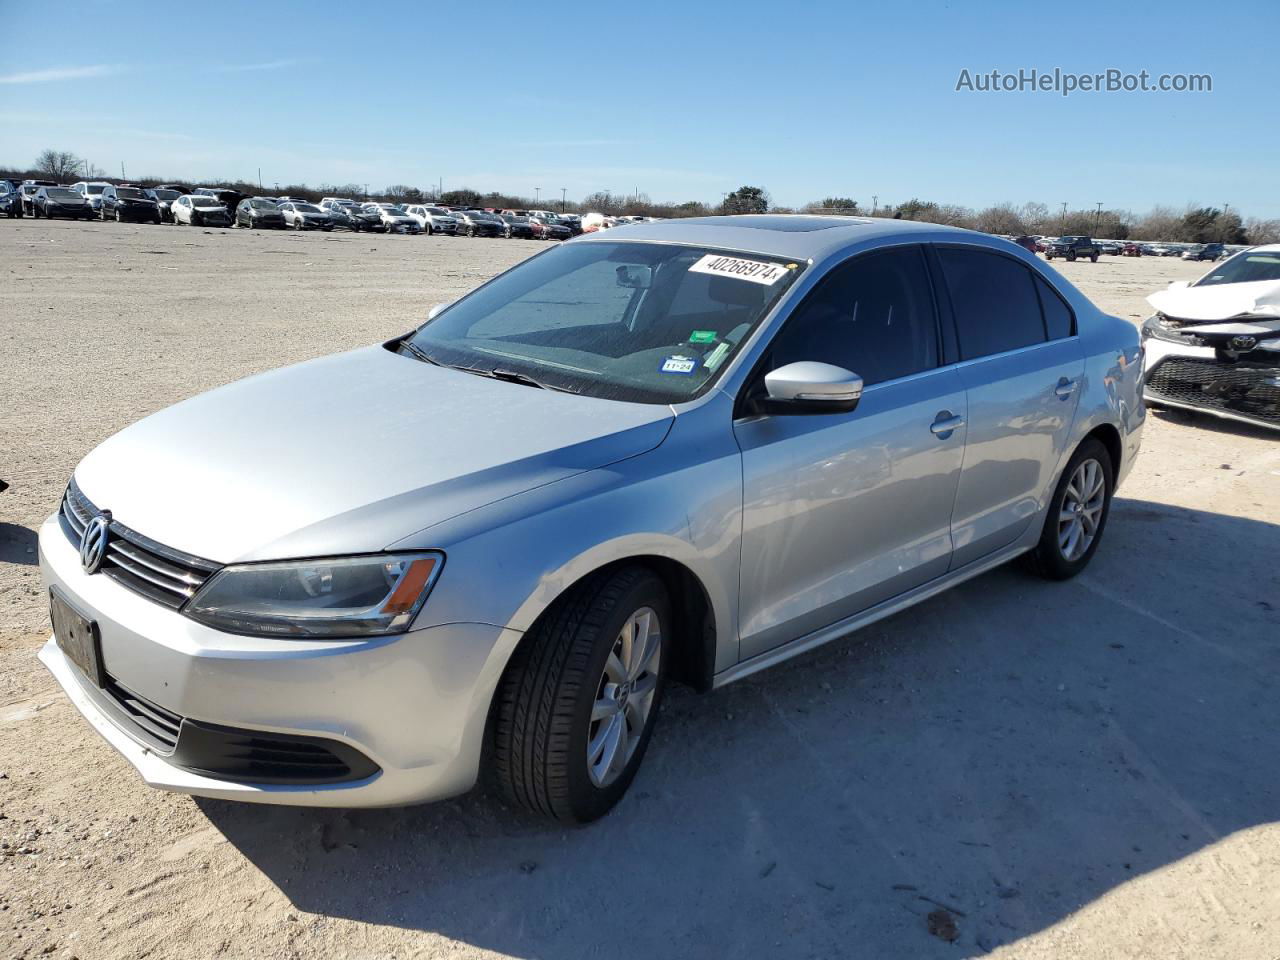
x=418, y=352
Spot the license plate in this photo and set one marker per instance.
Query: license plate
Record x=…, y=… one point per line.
x=77, y=636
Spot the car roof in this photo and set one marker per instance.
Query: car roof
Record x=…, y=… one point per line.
x=792, y=235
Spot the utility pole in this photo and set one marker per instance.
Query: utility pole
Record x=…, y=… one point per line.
x=1097, y=220
x=366, y=191
x=875, y=204
x=537, y=195
x=563, y=191
x=1064, y=214
x=259, y=178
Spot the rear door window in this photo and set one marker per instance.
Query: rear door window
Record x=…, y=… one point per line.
x=994, y=301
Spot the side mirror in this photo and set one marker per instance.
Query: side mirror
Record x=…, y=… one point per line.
x=811, y=387
x=435, y=311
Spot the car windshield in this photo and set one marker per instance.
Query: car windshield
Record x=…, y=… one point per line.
x=167, y=195
x=263, y=205
x=307, y=208
x=94, y=188
x=133, y=193
x=640, y=322
x=437, y=212
x=202, y=201
x=1244, y=268
x=62, y=193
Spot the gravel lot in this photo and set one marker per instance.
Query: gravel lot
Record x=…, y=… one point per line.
x=1067, y=770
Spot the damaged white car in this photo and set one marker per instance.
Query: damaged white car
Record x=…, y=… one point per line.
x=1214, y=345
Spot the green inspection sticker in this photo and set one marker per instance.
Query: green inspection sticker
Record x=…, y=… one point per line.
x=702, y=336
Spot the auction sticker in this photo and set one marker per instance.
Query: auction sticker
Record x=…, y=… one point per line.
x=679, y=364
x=756, y=271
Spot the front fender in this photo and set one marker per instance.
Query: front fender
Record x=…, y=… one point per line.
x=507, y=562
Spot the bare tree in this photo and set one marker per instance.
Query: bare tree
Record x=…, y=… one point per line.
x=58, y=165
x=1003, y=218
x=1263, y=231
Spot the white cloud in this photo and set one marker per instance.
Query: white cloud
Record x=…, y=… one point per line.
x=247, y=67
x=55, y=74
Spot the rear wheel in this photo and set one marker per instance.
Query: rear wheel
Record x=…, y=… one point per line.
x=1077, y=514
x=1094, y=258
x=576, y=707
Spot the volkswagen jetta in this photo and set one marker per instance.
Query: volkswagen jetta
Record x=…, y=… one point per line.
x=682, y=450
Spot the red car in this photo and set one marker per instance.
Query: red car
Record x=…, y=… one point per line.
x=1132, y=250
x=1028, y=243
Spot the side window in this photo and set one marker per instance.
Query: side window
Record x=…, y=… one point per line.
x=873, y=315
x=994, y=300
x=1058, y=319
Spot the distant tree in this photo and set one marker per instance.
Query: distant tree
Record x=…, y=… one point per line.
x=1262, y=231
x=460, y=198
x=58, y=165
x=1034, y=216
x=602, y=201
x=915, y=209
x=1003, y=218
x=837, y=205
x=747, y=200
x=1159, y=223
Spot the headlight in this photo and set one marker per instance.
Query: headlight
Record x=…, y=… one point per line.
x=305, y=599
x=1157, y=327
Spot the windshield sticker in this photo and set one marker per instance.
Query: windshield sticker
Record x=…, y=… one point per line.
x=716, y=357
x=755, y=271
x=702, y=336
x=678, y=364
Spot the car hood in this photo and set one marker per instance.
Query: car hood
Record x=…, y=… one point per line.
x=1219, y=302
x=349, y=453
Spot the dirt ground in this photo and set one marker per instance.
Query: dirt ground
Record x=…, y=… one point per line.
x=1027, y=769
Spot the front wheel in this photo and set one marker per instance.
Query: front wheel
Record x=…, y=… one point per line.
x=1071, y=257
x=1094, y=258
x=1077, y=514
x=576, y=707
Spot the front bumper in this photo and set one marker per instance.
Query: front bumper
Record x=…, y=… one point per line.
x=415, y=705
x=1196, y=378
x=138, y=214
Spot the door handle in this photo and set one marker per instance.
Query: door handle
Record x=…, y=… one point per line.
x=945, y=424
x=1065, y=388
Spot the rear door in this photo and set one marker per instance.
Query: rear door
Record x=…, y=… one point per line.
x=844, y=510
x=1021, y=365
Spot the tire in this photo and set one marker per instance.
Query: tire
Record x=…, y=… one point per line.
x=297, y=225
x=1094, y=258
x=1050, y=558
x=1071, y=256
x=542, y=724
x=428, y=230
x=35, y=212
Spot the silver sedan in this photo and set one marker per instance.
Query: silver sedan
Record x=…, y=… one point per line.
x=674, y=451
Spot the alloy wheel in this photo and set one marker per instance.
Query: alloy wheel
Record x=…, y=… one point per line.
x=624, y=696
x=1081, y=509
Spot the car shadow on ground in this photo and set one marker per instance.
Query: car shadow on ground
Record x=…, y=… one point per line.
x=18, y=544
x=1009, y=751
x=1207, y=421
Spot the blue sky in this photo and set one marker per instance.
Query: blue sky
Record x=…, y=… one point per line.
x=681, y=101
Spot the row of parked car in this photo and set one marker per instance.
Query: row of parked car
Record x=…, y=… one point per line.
x=1079, y=247
x=223, y=207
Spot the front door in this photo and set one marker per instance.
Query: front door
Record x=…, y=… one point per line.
x=842, y=511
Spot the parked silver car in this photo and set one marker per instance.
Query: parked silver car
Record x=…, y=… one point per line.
x=683, y=450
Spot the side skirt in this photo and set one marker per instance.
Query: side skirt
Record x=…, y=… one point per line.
x=869, y=616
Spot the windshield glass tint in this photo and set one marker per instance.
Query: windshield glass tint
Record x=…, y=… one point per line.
x=94, y=188
x=205, y=202
x=63, y=194
x=132, y=193
x=642, y=322
x=1245, y=268
x=307, y=208
x=167, y=195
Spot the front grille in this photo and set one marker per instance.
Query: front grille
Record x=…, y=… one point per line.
x=1240, y=388
x=229, y=753
x=151, y=722
x=161, y=573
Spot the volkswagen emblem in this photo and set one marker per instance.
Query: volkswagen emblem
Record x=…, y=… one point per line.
x=93, y=542
x=1243, y=344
